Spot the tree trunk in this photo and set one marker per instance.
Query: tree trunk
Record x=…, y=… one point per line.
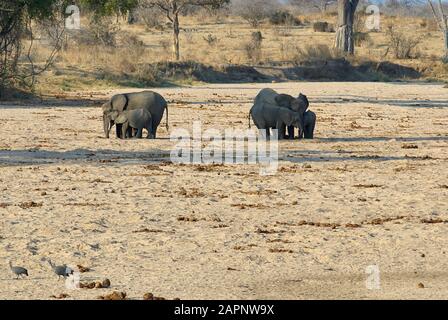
x=445, y=32
x=176, y=50
x=344, y=35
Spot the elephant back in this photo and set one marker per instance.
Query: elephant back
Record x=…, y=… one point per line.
x=150, y=100
x=266, y=95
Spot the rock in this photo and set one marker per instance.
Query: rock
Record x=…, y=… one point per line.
x=82, y=269
x=421, y=285
x=106, y=283
x=148, y=296
x=116, y=295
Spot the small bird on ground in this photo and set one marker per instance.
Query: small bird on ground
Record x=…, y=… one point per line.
x=18, y=271
x=62, y=270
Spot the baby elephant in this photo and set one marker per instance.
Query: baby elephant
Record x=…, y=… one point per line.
x=138, y=119
x=270, y=116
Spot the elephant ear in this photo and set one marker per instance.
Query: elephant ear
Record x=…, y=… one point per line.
x=284, y=100
x=106, y=107
x=122, y=118
x=119, y=102
x=303, y=103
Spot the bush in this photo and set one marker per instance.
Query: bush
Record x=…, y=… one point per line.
x=322, y=27
x=253, y=11
x=320, y=52
x=283, y=17
x=102, y=31
x=211, y=40
x=253, y=47
x=402, y=46
x=362, y=38
x=151, y=18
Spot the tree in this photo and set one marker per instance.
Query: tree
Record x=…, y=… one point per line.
x=344, y=33
x=321, y=5
x=172, y=9
x=442, y=21
x=101, y=8
x=16, y=21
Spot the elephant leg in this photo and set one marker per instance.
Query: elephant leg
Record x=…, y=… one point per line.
x=129, y=132
x=281, y=130
x=118, y=130
x=151, y=134
x=153, y=131
x=139, y=133
x=265, y=133
x=291, y=132
x=124, y=130
x=107, y=125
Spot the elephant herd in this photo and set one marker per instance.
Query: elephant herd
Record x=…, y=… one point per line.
x=133, y=112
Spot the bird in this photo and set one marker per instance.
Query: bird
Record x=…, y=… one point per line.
x=62, y=270
x=18, y=271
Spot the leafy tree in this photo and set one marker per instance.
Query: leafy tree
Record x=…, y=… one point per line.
x=101, y=8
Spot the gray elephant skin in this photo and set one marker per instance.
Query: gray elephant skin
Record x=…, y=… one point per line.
x=262, y=111
x=309, y=123
x=151, y=101
x=273, y=116
x=137, y=119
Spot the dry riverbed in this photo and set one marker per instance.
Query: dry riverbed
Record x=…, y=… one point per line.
x=371, y=189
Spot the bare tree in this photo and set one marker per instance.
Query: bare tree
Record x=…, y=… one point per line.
x=344, y=33
x=321, y=5
x=442, y=21
x=172, y=9
x=16, y=21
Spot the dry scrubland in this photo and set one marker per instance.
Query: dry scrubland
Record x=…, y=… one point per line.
x=370, y=189
x=218, y=41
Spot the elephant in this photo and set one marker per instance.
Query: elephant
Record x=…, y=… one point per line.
x=151, y=101
x=309, y=120
x=270, y=97
x=273, y=116
x=135, y=119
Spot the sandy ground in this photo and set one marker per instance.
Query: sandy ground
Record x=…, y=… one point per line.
x=371, y=189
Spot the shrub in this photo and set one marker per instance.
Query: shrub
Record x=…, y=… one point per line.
x=402, y=46
x=322, y=27
x=99, y=31
x=253, y=11
x=253, y=47
x=151, y=18
x=362, y=38
x=320, y=52
x=211, y=40
x=283, y=17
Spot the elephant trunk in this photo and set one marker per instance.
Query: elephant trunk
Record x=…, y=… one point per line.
x=107, y=125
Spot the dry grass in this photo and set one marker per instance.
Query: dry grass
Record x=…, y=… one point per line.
x=209, y=42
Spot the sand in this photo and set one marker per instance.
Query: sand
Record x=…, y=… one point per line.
x=363, y=193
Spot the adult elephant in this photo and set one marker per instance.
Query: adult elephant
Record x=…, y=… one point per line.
x=151, y=101
x=269, y=97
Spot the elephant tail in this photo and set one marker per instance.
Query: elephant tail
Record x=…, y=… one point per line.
x=167, y=125
x=248, y=117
